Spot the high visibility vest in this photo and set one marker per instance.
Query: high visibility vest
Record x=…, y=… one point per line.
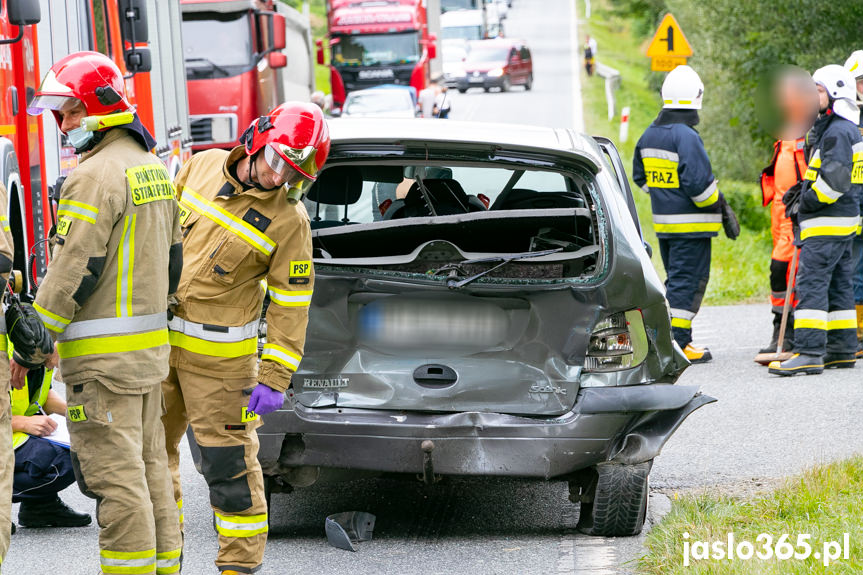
x=24, y=404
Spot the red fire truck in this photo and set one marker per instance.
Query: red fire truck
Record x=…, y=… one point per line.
x=232, y=52
x=33, y=152
x=374, y=42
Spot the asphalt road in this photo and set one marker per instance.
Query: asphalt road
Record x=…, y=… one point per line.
x=763, y=428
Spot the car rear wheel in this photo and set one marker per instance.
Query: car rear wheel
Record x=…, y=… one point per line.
x=529, y=84
x=614, y=499
x=462, y=90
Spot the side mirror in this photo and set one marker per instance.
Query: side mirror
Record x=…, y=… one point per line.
x=23, y=12
x=138, y=60
x=432, y=48
x=320, y=45
x=278, y=36
x=277, y=60
x=133, y=14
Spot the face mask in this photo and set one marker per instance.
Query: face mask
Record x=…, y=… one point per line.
x=79, y=138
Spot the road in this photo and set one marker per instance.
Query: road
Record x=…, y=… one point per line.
x=763, y=428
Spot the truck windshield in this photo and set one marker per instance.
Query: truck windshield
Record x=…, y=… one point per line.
x=447, y=5
x=214, y=42
x=376, y=49
x=462, y=32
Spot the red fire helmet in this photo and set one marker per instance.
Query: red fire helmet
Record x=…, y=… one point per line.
x=295, y=134
x=90, y=77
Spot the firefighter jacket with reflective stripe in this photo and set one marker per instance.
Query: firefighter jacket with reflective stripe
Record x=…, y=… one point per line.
x=6, y=260
x=671, y=164
x=233, y=238
x=27, y=404
x=833, y=187
x=116, y=257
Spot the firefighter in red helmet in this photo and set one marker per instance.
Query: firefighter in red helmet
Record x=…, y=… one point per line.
x=242, y=223
x=116, y=257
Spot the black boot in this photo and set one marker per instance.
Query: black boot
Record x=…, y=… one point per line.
x=50, y=512
x=13, y=529
x=788, y=341
x=799, y=363
x=839, y=360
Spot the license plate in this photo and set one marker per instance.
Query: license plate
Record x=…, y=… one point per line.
x=476, y=80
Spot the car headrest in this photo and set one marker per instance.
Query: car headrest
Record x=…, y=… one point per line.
x=446, y=194
x=384, y=174
x=340, y=185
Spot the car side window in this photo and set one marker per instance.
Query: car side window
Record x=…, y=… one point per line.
x=512, y=54
x=525, y=54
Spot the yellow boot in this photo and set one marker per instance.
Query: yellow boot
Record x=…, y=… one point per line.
x=697, y=354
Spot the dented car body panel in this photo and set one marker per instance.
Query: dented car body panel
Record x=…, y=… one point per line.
x=526, y=339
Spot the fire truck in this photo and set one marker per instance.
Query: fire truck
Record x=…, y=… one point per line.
x=233, y=57
x=374, y=42
x=141, y=36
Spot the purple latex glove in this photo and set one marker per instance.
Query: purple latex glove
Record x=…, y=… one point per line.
x=265, y=399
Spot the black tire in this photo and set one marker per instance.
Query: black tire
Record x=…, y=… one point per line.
x=462, y=90
x=529, y=83
x=487, y=89
x=506, y=84
x=619, y=504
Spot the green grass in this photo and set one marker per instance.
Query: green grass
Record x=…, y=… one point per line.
x=824, y=502
x=739, y=269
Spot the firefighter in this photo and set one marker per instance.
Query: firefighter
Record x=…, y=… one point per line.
x=117, y=255
x=825, y=322
x=242, y=223
x=787, y=166
x=854, y=64
x=7, y=457
x=671, y=164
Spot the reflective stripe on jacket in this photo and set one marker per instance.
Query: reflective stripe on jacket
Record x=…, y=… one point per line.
x=671, y=164
x=830, y=202
x=233, y=238
x=116, y=256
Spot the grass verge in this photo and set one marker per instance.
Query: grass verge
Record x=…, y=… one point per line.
x=823, y=503
x=739, y=269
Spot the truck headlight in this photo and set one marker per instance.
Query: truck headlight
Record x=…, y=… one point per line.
x=617, y=342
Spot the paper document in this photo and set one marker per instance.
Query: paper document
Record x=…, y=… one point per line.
x=61, y=434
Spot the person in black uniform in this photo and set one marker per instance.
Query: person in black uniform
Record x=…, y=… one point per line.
x=825, y=322
x=671, y=164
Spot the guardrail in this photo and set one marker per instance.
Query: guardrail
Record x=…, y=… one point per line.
x=612, y=81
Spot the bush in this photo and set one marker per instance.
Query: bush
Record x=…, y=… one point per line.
x=745, y=199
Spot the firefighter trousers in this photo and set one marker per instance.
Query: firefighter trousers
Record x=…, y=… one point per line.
x=687, y=269
x=858, y=270
x=825, y=320
x=7, y=468
x=227, y=437
x=118, y=453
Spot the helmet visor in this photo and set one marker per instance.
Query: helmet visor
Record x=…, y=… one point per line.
x=291, y=176
x=52, y=102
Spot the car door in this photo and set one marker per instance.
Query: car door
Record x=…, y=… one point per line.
x=613, y=156
x=513, y=66
x=526, y=63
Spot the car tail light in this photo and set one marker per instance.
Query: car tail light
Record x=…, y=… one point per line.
x=617, y=342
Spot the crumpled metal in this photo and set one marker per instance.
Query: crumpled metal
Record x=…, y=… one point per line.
x=345, y=530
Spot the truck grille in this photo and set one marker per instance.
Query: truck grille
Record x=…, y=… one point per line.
x=214, y=129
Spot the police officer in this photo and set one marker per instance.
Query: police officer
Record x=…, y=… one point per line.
x=242, y=223
x=671, y=164
x=825, y=321
x=854, y=64
x=116, y=257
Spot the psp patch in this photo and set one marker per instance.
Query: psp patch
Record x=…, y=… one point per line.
x=249, y=415
x=301, y=269
x=63, y=226
x=149, y=183
x=76, y=413
x=184, y=214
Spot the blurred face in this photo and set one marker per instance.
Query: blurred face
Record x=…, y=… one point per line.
x=860, y=85
x=823, y=98
x=798, y=103
x=70, y=115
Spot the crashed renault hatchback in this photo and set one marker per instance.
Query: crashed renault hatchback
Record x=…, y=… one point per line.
x=484, y=306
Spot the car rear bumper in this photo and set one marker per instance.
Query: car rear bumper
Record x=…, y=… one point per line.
x=625, y=424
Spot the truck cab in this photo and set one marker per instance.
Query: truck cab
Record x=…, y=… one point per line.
x=232, y=52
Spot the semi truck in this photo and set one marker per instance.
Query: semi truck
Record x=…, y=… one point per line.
x=143, y=39
x=375, y=42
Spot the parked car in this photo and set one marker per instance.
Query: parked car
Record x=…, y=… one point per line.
x=500, y=63
x=454, y=54
x=484, y=305
x=388, y=101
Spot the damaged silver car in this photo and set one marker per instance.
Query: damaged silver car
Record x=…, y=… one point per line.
x=484, y=305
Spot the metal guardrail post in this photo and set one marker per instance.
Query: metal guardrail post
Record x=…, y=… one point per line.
x=612, y=81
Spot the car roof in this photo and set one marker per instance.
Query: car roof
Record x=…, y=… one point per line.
x=557, y=141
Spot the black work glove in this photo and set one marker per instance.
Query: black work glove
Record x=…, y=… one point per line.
x=791, y=199
x=729, y=220
x=32, y=340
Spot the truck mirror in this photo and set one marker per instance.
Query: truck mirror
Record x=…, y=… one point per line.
x=320, y=44
x=134, y=20
x=278, y=36
x=277, y=60
x=23, y=12
x=138, y=60
x=432, y=50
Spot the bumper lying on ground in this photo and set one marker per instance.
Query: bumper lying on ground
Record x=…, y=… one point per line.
x=623, y=424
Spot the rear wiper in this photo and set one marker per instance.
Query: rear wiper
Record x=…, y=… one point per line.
x=212, y=64
x=456, y=270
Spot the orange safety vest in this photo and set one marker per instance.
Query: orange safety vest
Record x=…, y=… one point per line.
x=786, y=168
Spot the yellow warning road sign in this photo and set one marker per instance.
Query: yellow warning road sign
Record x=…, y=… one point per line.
x=669, y=40
x=666, y=63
